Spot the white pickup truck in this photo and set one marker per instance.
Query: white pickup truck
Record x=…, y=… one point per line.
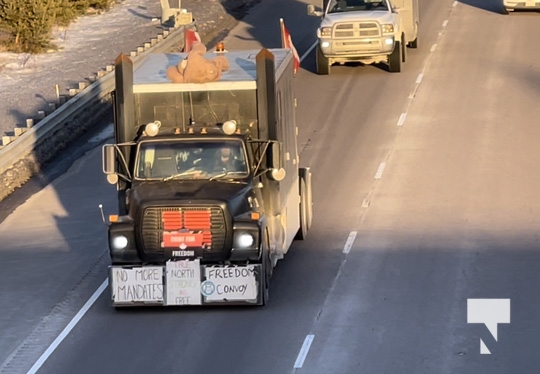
x=366, y=31
x=511, y=5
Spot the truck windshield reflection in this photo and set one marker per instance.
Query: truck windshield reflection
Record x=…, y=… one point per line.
x=338, y=6
x=184, y=160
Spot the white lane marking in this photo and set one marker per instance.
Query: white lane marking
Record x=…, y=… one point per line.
x=445, y=23
x=308, y=51
x=68, y=328
x=303, y=351
x=433, y=48
x=401, y=119
x=455, y=3
x=349, y=242
x=419, y=79
x=380, y=170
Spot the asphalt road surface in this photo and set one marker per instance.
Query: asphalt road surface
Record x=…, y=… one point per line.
x=426, y=195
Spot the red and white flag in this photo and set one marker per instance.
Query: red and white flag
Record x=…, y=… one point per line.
x=191, y=36
x=286, y=42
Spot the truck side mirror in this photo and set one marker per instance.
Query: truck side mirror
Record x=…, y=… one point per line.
x=312, y=11
x=274, y=157
x=109, y=163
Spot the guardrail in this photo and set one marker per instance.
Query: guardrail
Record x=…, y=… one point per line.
x=22, y=156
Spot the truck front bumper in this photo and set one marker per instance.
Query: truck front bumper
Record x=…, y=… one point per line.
x=186, y=282
x=357, y=49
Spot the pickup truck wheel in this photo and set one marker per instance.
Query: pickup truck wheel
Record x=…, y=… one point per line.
x=394, y=60
x=323, y=65
x=302, y=231
x=414, y=43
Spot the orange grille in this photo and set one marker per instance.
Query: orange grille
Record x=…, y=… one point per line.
x=171, y=220
x=191, y=220
x=197, y=219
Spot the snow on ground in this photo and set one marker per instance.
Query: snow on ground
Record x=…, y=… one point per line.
x=28, y=82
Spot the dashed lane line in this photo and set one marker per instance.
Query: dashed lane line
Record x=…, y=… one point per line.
x=303, y=351
x=349, y=242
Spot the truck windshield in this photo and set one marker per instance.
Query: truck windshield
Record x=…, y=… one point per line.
x=200, y=159
x=338, y=6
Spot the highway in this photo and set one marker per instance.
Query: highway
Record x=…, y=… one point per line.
x=425, y=192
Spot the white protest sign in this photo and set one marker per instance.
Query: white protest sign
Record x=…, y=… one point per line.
x=233, y=283
x=137, y=284
x=183, y=282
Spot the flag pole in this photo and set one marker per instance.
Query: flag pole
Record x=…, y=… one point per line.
x=282, y=27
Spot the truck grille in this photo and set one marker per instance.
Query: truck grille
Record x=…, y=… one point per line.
x=356, y=30
x=206, y=223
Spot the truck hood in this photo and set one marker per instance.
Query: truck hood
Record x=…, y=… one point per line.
x=234, y=194
x=382, y=16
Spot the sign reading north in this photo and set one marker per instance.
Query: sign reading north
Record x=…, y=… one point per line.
x=183, y=283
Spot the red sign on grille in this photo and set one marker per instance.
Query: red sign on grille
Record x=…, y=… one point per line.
x=182, y=239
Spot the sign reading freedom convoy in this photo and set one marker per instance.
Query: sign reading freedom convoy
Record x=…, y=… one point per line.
x=230, y=283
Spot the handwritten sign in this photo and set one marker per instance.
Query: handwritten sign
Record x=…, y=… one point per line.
x=144, y=284
x=232, y=283
x=183, y=282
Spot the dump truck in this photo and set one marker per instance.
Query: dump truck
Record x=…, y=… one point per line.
x=210, y=189
x=365, y=31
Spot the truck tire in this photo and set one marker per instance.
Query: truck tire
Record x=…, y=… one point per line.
x=267, y=269
x=403, y=49
x=394, y=60
x=414, y=43
x=304, y=218
x=323, y=65
x=309, y=192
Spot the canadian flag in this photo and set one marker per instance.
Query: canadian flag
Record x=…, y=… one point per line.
x=286, y=42
x=191, y=36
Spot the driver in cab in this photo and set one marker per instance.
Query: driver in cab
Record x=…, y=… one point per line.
x=225, y=161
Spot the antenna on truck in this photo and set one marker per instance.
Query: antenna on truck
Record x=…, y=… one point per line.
x=100, y=206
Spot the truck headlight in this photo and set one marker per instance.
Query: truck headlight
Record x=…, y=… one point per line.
x=324, y=32
x=119, y=242
x=388, y=28
x=246, y=235
x=244, y=240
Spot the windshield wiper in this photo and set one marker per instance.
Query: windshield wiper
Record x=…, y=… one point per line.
x=225, y=174
x=187, y=172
